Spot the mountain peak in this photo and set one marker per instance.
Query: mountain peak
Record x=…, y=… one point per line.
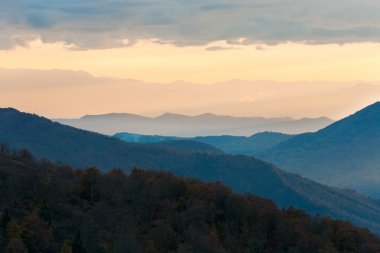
x=114, y=115
x=9, y=110
x=208, y=115
x=373, y=107
x=370, y=113
x=12, y=112
x=168, y=115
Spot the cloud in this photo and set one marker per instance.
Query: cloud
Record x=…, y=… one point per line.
x=260, y=47
x=88, y=24
x=219, y=48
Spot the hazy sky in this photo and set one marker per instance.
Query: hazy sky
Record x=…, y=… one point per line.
x=166, y=63
x=200, y=41
x=73, y=94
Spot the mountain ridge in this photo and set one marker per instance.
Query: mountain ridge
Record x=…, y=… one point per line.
x=236, y=145
x=244, y=174
x=349, y=150
x=187, y=126
x=201, y=115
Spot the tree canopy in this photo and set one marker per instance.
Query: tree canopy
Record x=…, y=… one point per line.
x=52, y=208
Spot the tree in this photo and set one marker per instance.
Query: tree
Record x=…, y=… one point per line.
x=78, y=246
x=5, y=218
x=66, y=248
x=16, y=245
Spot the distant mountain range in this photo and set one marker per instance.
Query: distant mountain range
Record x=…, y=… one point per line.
x=344, y=154
x=238, y=145
x=188, y=126
x=245, y=174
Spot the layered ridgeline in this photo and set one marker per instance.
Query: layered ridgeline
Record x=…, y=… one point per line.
x=244, y=174
x=51, y=208
x=170, y=124
x=237, y=145
x=344, y=154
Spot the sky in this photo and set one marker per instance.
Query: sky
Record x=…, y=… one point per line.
x=199, y=41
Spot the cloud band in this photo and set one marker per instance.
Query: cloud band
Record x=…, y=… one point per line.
x=89, y=24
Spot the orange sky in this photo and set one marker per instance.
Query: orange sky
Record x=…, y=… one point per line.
x=154, y=62
x=319, y=58
x=350, y=71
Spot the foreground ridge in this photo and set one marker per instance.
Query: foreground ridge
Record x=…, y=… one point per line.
x=51, y=208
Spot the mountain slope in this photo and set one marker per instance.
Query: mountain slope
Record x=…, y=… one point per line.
x=190, y=146
x=50, y=208
x=245, y=145
x=179, y=125
x=141, y=138
x=345, y=154
x=237, y=145
x=244, y=174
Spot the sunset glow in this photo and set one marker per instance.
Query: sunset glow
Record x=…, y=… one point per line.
x=149, y=61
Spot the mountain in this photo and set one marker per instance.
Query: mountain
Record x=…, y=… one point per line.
x=344, y=154
x=242, y=145
x=79, y=148
x=169, y=124
x=51, y=208
x=238, y=145
x=141, y=138
x=190, y=146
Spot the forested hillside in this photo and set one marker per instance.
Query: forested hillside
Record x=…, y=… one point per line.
x=243, y=174
x=51, y=208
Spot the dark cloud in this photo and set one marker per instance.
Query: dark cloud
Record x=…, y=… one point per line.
x=38, y=20
x=88, y=24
